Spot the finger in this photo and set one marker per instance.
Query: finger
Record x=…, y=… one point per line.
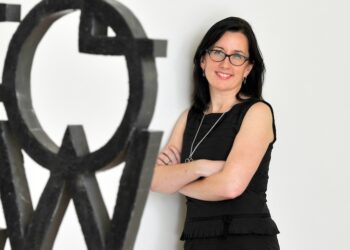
x=170, y=155
x=176, y=153
x=164, y=158
x=160, y=162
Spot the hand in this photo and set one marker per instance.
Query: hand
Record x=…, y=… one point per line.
x=208, y=167
x=169, y=156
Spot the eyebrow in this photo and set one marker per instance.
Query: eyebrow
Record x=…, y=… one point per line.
x=236, y=50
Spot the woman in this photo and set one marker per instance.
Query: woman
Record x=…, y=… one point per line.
x=219, y=151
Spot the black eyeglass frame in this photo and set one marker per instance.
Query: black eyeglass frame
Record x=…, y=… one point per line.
x=227, y=55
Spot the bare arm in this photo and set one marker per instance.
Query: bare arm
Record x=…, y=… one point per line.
x=170, y=179
x=169, y=174
x=246, y=154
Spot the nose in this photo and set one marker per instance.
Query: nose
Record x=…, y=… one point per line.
x=225, y=63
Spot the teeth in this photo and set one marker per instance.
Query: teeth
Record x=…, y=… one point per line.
x=223, y=75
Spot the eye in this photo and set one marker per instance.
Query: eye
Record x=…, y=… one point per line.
x=217, y=52
x=237, y=56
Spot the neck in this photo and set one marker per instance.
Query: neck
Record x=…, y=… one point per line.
x=221, y=101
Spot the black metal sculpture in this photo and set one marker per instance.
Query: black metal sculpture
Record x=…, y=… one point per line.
x=72, y=166
x=10, y=12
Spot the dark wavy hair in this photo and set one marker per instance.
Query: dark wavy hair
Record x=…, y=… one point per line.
x=255, y=79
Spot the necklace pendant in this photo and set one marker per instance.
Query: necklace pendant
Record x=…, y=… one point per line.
x=188, y=159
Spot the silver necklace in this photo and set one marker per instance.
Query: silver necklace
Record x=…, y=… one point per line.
x=189, y=158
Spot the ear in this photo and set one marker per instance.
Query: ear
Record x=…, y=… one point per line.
x=248, y=69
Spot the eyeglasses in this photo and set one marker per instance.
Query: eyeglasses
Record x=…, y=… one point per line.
x=235, y=58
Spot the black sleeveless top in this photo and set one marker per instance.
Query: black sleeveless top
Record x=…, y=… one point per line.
x=246, y=214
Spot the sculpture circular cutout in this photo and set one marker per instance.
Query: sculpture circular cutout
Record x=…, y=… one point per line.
x=131, y=42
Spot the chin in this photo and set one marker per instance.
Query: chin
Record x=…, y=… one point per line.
x=225, y=86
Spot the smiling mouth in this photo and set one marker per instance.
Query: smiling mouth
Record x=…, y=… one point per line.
x=223, y=76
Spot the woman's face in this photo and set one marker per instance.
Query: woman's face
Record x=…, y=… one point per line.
x=223, y=75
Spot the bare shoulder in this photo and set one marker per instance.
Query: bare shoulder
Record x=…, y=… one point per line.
x=259, y=120
x=260, y=111
x=183, y=117
x=181, y=121
x=176, y=136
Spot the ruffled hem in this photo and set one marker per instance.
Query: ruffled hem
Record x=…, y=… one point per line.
x=253, y=225
x=202, y=229
x=221, y=227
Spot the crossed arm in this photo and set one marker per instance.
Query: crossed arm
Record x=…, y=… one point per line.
x=222, y=179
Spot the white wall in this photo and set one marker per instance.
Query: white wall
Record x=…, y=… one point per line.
x=305, y=45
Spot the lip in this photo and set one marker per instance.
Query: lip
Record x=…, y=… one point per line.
x=223, y=75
